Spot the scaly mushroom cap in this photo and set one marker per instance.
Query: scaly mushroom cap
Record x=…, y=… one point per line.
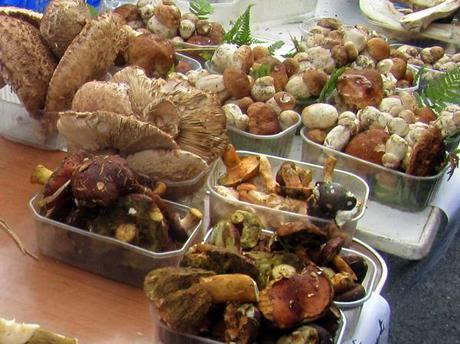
x=26, y=62
x=88, y=57
x=167, y=165
x=29, y=16
x=202, y=122
x=103, y=96
x=97, y=131
x=300, y=298
x=142, y=90
x=428, y=154
x=62, y=22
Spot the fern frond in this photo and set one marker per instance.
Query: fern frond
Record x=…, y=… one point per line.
x=275, y=46
x=441, y=91
x=201, y=8
x=240, y=33
x=264, y=69
x=330, y=85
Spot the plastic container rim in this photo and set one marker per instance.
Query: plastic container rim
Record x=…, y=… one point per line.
x=197, y=65
x=417, y=67
x=382, y=168
x=267, y=137
x=133, y=248
x=242, y=152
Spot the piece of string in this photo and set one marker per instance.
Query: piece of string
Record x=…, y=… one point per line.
x=16, y=239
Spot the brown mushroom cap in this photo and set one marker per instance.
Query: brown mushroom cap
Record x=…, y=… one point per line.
x=62, y=22
x=368, y=145
x=237, y=83
x=97, y=131
x=361, y=88
x=87, y=58
x=26, y=62
x=152, y=53
x=301, y=298
x=102, y=96
x=29, y=16
x=167, y=165
x=427, y=154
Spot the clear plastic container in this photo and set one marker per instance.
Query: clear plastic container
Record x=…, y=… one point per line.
x=18, y=126
x=389, y=187
x=368, y=281
x=168, y=336
x=264, y=13
x=278, y=144
x=34, y=5
x=194, y=64
x=272, y=218
x=103, y=255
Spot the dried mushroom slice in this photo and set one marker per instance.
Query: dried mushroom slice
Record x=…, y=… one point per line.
x=88, y=57
x=102, y=96
x=97, y=131
x=167, y=165
x=142, y=90
x=62, y=22
x=26, y=63
x=202, y=123
x=29, y=16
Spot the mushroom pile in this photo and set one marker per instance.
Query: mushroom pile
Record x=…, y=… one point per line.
x=46, y=59
x=433, y=58
x=164, y=18
x=250, y=179
x=245, y=286
x=101, y=194
x=356, y=46
x=389, y=131
x=252, y=86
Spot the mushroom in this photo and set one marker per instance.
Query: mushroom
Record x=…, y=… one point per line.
x=315, y=81
x=213, y=83
x=388, y=103
x=167, y=165
x=288, y=118
x=397, y=126
x=62, y=21
x=378, y=48
x=194, y=75
x=235, y=117
x=356, y=37
x=416, y=131
x=297, y=87
x=32, y=17
x=337, y=138
x=27, y=63
x=155, y=26
x=151, y=53
x=321, y=59
x=368, y=145
x=363, y=62
x=98, y=45
x=103, y=96
x=428, y=153
x=263, y=119
x=249, y=226
x=319, y=116
x=237, y=83
x=384, y=66
x=238, y=169
x=449, y=120
x=223, y=56
x=263, y=89
x=395, y=151
x=242, y=323
x=168, y=15
x=300, y=298
x=361, y=88
x=101, y=130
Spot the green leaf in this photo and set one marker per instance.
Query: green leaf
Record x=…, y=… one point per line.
x=275, y=46
x=331, y=85
x=263, y=70
x=441, y=91
x=93, y=11
x=240, y=33
x=201, y=8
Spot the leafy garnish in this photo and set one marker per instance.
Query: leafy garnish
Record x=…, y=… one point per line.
x=418, y=75
x=263, y=70
x=240, y=33
x=93, y=11
x=207, y=56
x=275, y=46
x=330, y=85
x=201, y=8
x=297, y=47
x=441, y=91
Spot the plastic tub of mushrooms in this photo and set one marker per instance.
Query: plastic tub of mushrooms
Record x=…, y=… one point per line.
x=17, y=125
x=353, y=274
x=278, y=190
x=104, y=255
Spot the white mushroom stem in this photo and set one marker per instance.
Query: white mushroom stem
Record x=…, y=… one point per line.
x=416, y=130
x=384, y=66
x=223, y=56
x=395, y=151
x=193, y=76
x=213, y=83
x=368, y=117
x=398, y=126
x=449, y=121
x=348, y=119
x=235, y=117
x=288, y=118
x=274, y=105
x=338, y=137
x=186, y=28
x=297, y=87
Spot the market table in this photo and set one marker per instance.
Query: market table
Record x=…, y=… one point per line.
x=57, y=296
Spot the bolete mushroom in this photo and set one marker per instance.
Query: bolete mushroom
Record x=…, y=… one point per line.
x=361, y=88
x=31, y=17
x=238, y=169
